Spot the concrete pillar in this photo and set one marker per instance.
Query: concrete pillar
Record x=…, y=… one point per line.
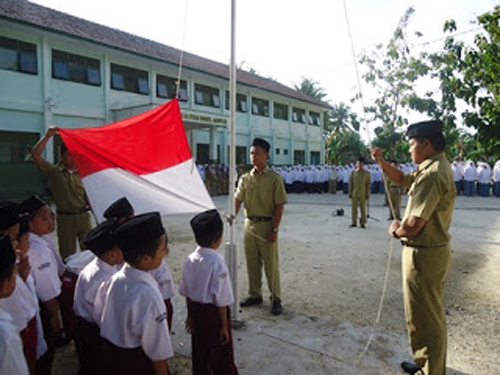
x=213, y=145
x=48, y=103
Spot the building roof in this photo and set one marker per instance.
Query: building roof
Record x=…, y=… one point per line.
x=49, y=19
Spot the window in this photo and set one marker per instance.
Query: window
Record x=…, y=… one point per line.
x=260, y=107
x=299, y=115
x=166, y=87
x=285, y=151
x=241, y=102
x=206, y=95
x=314, y=118
x=280, y=111
x=299, y=157
x=129, y=79
x=16, y=147
x=18, y=56
x=76, y=68
x=277, y=151
x=315, y=156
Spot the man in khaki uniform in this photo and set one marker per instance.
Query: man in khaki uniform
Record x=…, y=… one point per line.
x=394, y=192
x=424, y=233
x=262, y=192
x=73, y=218
x=359, y=192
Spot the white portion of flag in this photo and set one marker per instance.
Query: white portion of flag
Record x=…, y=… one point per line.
x=175, y=190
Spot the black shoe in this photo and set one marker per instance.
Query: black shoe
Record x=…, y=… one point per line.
x=410, y=368
x=363, y=226
x=277, y=309
x=250, y=301
x=352, y=225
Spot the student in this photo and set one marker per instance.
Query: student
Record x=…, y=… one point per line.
x=134, y=326
x=12, y=360
x=21, y=305
x=103, y=244
x=45, y=275
x=207, y=287
x=122, y=210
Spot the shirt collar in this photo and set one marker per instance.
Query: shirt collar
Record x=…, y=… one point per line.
x=139, y=275
x=430, y=160
x=35, y=238
x=105, y=266
x=264, y=171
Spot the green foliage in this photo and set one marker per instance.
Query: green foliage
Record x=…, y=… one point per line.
x=344, y=147
x=310, y=88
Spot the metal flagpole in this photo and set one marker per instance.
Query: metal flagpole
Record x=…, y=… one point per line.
x=231, y=249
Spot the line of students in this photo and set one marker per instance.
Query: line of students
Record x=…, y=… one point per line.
x=122, y=297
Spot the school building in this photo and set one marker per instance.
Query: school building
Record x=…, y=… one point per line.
x=57, y=69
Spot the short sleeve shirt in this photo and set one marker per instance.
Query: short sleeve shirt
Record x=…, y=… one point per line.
x=261, y=192
x=205, y=278
x=134, y=314
x=163, y=277
x=67, y=188
x=431, y=197
x=12, y=360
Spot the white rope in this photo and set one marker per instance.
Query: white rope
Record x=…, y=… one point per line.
x=391, y=206
x=181, y=57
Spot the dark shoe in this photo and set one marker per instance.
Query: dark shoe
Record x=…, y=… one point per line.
x=250, y=301
x=352, y=225
x=363, y=226
x=277, y=309
x=410, y=368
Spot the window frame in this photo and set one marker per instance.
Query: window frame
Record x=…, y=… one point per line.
x=207, y=96
x=131, y=79
x=24, y=56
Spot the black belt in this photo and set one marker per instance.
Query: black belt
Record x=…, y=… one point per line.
x=259, y=218
x=74, y=212
x=404, y=243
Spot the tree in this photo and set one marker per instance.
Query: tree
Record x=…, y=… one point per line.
x=342, y=118
x=310, y=88
x=344, y=147
x=393, y=72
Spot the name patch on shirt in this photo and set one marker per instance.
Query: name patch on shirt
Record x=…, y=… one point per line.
x=43, y=266
x=161, y=318
x=164, y=282
x=223, y=275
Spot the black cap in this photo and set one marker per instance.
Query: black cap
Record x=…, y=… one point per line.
x=9, y=215
x=119, y=209
x=31, y=205
x=7, y=255
x=133, y=232
x=24, y=227
x=100, y=239
x=262, y=143
x=425, y=129
x=206, y=223
x=362, y=159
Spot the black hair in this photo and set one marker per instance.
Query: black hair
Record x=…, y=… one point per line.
x=205, y=239
x=6, y=273
x=132, y=253
x=437, y=141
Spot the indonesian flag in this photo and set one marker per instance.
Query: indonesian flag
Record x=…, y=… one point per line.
x=145, y=158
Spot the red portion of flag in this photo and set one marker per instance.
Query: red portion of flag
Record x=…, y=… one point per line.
x=143, y=144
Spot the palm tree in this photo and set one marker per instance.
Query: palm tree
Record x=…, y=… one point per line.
x=310, y=88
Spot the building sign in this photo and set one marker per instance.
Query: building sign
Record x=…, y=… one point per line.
x=204, y=118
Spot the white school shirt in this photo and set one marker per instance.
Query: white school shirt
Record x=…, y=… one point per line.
x=12, y=360
x=20, y=305
x=470, y=173
x=496, y=174
x=134, y=314
x=164, y=279
x=89, y=281
x=43, y=269
x=205, y=278
x=61, y=268
x=41, y=344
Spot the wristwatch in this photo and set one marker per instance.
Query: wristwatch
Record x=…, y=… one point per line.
x=394, y=234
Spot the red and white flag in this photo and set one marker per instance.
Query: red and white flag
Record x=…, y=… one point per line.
x=145, y=158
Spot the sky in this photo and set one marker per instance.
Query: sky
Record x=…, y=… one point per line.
x=284, y=39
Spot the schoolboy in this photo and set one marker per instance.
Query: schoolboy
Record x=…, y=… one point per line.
x=134, y=326
x=12, y=360
x=207, y=287
x=22, y=304
x=122, y=210
x=103, y=244
x=45, y=274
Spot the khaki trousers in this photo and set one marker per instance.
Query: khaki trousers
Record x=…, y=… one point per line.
x=395, y=195
x=355, y=202
x=424, y=271
x=260, y=253
x=332, y=186
x=69, y=229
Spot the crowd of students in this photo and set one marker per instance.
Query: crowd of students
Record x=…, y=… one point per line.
x=114, y=297
x=469, y=179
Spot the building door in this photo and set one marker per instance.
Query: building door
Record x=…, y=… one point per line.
x=315, y=155
x=202, y=153
x=299, y=157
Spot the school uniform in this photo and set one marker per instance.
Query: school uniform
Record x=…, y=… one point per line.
x=166, y=285
x=207, y=286
x=23, y=308
x=133, y=324
x=12, y=360
x=47, y=287
x=87, y=338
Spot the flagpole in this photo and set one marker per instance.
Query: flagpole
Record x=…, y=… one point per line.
x=231, y=250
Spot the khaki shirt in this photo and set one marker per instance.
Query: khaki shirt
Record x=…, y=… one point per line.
x=359, y=183
x=431, y=197
x=261, y=192
x=67, y=188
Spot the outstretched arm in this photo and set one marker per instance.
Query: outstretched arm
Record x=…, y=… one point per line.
x=42, y=143
x=392, y=172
